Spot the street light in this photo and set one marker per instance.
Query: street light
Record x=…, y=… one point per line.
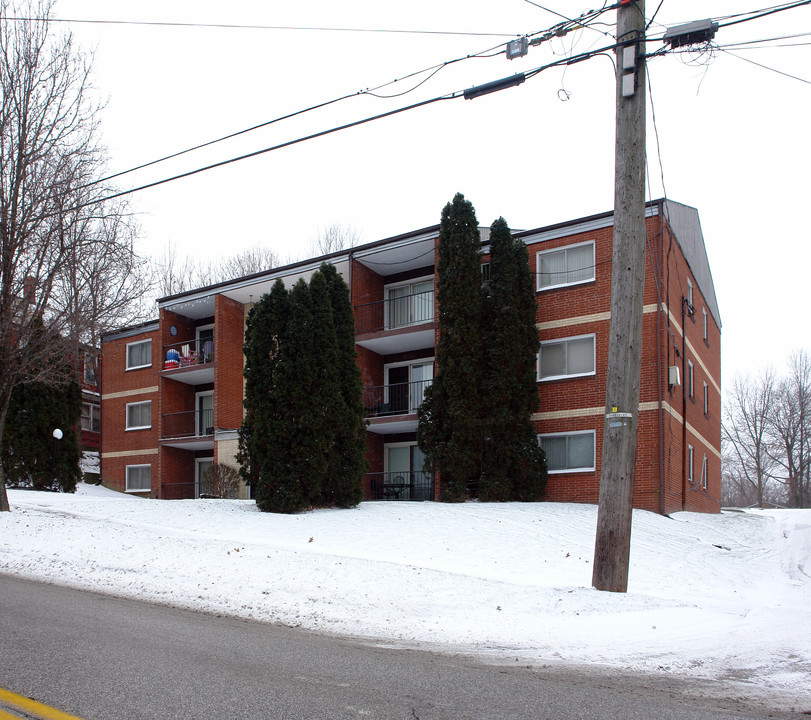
x=57, y=433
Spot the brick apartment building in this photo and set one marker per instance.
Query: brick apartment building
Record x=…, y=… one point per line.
x=172, y=389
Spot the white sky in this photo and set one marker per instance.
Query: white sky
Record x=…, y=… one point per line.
x=721, y=600
x=734, y=137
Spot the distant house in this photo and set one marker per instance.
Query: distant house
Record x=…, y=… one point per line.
x=172, y=389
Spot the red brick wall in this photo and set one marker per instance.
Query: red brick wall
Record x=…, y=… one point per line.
x=229, y=333
x=121, y=447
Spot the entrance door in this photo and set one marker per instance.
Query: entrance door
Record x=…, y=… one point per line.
x=203, y=485
x=422, y=376
x=398, y=476
x=205, y=413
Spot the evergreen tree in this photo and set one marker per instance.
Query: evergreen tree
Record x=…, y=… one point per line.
x=35, y=411
x=348, y=464
x=449, y=430
x=513, y=464
x=265, y=329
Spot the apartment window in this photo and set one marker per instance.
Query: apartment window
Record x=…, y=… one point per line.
x=690, y=387
x=569, y=357
x=91, y=417
x=409, y=304
x=139, y=415
x=689, y=291
x=139, y=354
x=569, y=452
x=704, y=325
x=704, y=473
x=90, y=369
x=690, y=453
x=706, y=399
x=565, y=266
x=139, y=478
x=485, y=272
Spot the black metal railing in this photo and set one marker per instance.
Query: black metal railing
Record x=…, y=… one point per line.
x=188, y=424
x=188, y=353
x=405, y=485
x=394, y=313
x=397, y=399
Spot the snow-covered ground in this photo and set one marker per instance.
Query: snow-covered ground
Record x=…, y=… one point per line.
x=724, y=597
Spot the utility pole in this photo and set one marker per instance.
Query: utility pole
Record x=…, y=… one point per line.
x=613, y=543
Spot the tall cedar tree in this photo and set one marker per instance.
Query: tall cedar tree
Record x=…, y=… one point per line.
x=449, y=430
x=265, y=328
x=513, y=464
x=302, y=442
x=348, y=464
x=35, y=411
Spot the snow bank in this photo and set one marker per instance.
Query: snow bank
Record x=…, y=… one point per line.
x=710, y=596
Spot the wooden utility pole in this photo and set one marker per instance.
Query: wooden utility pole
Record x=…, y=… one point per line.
x=613, y=543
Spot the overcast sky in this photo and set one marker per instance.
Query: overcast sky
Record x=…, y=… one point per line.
x=732, y=135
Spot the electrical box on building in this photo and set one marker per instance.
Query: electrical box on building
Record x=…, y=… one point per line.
x=673, y=377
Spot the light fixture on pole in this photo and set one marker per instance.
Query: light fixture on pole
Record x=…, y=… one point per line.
x=57, y=434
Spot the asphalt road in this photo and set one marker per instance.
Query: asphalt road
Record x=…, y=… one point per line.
x=104, y=658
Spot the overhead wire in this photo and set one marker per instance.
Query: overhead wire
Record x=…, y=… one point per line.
x=233, y=26
x=433, y=70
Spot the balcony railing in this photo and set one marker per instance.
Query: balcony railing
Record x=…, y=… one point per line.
x=397, y=399
x=188, y=353
x=195, y=423
x=405, y=485
x=395, y=313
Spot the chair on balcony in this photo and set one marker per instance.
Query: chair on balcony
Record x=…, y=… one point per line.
x=208, y=352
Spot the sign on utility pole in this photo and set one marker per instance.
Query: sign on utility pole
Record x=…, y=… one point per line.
x=613, y=543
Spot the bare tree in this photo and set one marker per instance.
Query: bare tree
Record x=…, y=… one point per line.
x=333, y=238
x=790, y=425
x=174, y=275
x=746, y=429
x=52, y=214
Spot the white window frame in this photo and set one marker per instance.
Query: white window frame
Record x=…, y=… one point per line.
x=565, y=248
x=133, y=344
x=127, y=425
x=127, y=478
x=690, y=459
x=593, y=434
x=93, y=412
x=690, y=380
x=408, y=283
x=704, y=318
x=706, y=399
x=704, y=473
x=690, y=292
x=558, y=341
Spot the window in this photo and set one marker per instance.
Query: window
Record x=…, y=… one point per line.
x=690, y=388
x=689, y=291
x=569, y=357
x=565, y=266
x=139, y=415
x=485, y=272
x=139, y=354
x=569, y=452
x=406, y=385
x=91, y=417
x=409, y=304
x=139, y=478
x=706, y=399
x=704, y=317
x=89, y=369
x=704, y=473
x=690, y=453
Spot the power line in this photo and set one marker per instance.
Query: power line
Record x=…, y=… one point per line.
x=765, y=67
x=230, y=26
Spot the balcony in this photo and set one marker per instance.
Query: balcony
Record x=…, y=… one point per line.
x=190, y=361
x=192, y=430
x=393, y=408
x=404, y=485
x=398, y=324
